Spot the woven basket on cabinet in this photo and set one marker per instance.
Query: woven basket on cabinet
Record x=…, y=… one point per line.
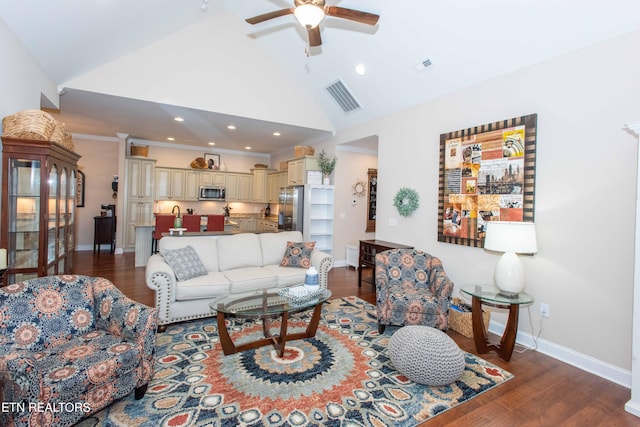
x=303, y=150
x=29, y=124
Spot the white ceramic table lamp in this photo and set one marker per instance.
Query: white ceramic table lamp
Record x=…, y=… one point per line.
x=512, y=238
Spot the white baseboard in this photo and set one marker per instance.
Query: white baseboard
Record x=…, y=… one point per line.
x=579, y=360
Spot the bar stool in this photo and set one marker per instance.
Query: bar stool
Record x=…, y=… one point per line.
x=215, y=222
x=191, y=222
x=163, y=224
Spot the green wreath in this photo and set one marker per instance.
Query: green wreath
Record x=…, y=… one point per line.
x=406, y=201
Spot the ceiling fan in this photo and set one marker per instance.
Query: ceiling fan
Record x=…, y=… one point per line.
x=310, y=12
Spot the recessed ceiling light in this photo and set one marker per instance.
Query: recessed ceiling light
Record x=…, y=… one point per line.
x=171, y=138
x=247, y=148
x=211, y=143
x=276, y=133
x=178, y=119
x=361, y=70
x=231, y=127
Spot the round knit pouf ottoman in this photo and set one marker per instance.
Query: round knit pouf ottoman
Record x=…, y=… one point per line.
x=426, y=355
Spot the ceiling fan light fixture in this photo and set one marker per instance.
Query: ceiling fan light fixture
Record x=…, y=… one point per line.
x=309, y=15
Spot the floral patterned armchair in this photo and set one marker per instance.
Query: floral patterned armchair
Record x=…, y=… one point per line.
x=69, y=346
x=412, y=288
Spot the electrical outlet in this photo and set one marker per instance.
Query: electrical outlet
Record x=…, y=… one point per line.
x=545, y=310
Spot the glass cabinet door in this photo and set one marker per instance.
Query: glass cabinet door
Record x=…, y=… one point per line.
x=24, y=212
x=52, y=220
x=62, y=220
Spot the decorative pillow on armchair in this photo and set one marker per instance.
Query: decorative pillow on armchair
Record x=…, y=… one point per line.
x=298, y=254
x=184, y=262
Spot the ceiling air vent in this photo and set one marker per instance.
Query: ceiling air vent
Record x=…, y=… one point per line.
x=424, y=64
x=343, y=97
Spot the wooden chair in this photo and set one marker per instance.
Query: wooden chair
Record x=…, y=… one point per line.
x=191, y=222
x=215, y=222
x=163, y=224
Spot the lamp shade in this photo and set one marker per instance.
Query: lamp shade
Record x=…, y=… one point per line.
x=511, y=238
x=516, y=237
x=309, y=15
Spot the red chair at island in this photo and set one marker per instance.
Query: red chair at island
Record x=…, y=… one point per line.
x=191, y=222
x=163, y=224
x=215, y=222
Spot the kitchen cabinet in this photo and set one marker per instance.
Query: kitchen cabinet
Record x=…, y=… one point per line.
x=191, y=185
x=246, y=224
x=138, y=206
x=238, y=187
x=213, y=178
x=170, y=184
x=318, y=216
x=266, y=225
x=38, y=222
x=276, y=181
x=259, y=188
x=298, y=167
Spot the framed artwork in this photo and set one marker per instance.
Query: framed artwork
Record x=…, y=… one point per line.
x=80, y=189
x=213, y=161
x=487, y=173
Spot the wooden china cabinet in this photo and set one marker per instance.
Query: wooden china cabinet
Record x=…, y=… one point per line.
x=38, y=208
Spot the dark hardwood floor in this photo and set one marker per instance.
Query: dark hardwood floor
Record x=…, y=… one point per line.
x=544, y=392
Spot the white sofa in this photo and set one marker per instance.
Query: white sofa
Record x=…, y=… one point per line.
x=234, y=263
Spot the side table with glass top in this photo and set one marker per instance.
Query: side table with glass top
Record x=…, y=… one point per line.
x=490, y=295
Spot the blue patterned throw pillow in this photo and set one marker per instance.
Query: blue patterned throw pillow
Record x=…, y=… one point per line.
x=298, y=254
x=184, y=262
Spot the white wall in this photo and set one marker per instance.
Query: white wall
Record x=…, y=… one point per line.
x=167, y=72
x=99, y=163
x=22, y=80
x=350, y=219
x=585, y=188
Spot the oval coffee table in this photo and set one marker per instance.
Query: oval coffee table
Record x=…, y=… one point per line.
x=265, y=304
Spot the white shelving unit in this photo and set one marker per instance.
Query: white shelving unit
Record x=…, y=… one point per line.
x=318, y=216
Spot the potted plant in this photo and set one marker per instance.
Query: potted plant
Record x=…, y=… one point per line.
x=327, y=166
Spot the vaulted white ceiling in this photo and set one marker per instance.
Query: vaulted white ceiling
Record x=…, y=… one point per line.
x=130, y=66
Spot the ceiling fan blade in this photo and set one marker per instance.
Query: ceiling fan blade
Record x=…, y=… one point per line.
x=353, y=15
x=265, y=17
x=314, y=36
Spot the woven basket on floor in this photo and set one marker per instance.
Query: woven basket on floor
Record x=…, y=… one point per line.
x=303, y=150
x=139, y=150
x=461, y=322
x=29, y=124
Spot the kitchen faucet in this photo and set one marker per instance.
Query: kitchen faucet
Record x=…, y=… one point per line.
x=177, y=223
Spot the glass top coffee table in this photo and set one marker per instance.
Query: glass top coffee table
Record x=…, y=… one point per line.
x=265, y=304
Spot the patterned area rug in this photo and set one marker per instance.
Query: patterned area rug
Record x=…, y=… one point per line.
x=342, y=376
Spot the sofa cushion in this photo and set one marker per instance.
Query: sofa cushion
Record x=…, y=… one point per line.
x=250, y=278
x=239, y=251
x=287, y=276
x=212, y=285
x=184, y=262
x=298, y=254
x=205, y=247
x=274, y=244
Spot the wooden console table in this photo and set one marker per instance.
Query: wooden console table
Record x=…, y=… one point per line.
x=368, y=251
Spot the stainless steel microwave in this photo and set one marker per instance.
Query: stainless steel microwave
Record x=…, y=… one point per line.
x=209, y=192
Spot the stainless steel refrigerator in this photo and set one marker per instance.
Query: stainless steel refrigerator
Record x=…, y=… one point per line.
x=291, y=208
